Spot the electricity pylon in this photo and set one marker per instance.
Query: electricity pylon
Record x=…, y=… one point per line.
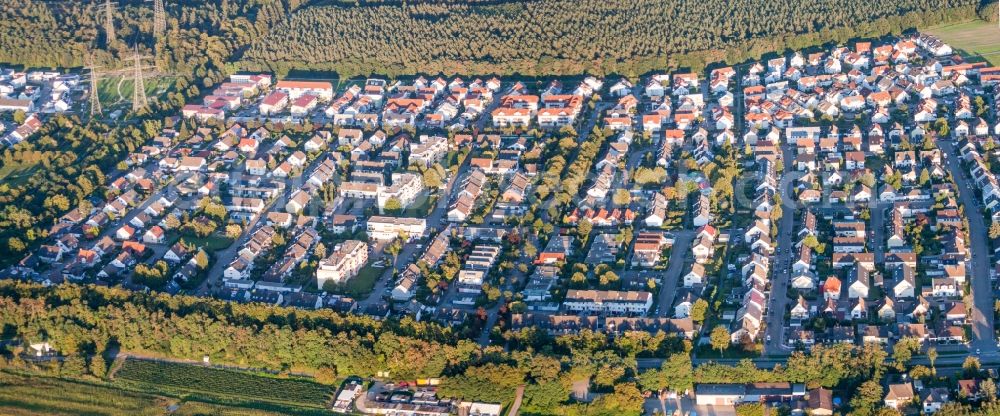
x=139, y=100
x=95, y=99
x=159, y=19
x=109, y=23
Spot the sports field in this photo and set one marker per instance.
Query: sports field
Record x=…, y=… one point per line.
x=973, y=39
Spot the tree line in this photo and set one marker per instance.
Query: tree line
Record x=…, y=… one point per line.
x=570, y=36
x=36, y=33
x=84, y=323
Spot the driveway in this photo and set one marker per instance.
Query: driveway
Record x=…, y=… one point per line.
x=406, y=256
x=226, y=255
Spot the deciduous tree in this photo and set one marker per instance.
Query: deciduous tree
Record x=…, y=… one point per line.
x=719, y=338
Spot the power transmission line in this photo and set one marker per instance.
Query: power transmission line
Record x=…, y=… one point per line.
x=95, y=99
x=139, y=100
x=109, y=24
x=159, y=19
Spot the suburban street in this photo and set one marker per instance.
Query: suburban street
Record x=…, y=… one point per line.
x=989, y=359
x=226, y=255
x=406, y=256
x=981, y=316
x=675, y=269
x=878, y=212
x=435, y=220
x=781, y=263
x=132, y=213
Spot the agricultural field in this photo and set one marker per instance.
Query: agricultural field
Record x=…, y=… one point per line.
x=36, y=395
x=975, y=39
x=116, y=91
x=21, y=395
x=200, y=409
x=292, y=396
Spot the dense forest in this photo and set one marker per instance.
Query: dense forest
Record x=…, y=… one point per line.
x=573, y=36
x=87, y=323
x=36, y=33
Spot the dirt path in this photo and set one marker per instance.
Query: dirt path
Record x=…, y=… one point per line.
x=517, y=401
x=119, y=89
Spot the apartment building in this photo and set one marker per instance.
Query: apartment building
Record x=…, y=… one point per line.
x=343, y=263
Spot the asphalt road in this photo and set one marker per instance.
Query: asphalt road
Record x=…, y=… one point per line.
x=110, y=231
x=981, y=316
x=226, y=255
x=491, y=313
x=406, y=255
x=944, y=362
x=877, y=238
x=675, y=268
x=781, y=265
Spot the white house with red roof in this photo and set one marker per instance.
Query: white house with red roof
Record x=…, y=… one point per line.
x=274, y=103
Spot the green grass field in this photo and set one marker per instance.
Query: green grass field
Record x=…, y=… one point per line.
x=363, y=283
x=117, y=91
x=17, y=175
x=976, y=39
x=37, y=395
x=422, y=207
x=226, y=387
x=211, y=243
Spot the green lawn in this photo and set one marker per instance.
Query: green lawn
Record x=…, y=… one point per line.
x=420, y=208
x=358, y=286
x=39, y=395
x=117, y=90
x=364, y=282
x=361, y=285
x=974, y=39
x=17, y=175
x=211, y=243
x=224, y=386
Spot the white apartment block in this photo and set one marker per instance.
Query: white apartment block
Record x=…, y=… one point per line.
x=295, y=89
x=388, y=228
x=406, y=187
x=343, y=263
x=608, y=301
